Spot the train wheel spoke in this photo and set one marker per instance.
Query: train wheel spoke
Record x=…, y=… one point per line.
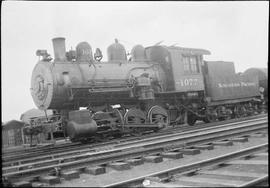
x=134, y=116
x=158, y=115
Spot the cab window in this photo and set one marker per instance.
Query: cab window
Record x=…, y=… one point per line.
x=190, y=64
x=186, y=64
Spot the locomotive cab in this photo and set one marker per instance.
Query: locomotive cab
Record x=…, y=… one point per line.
x=184, y=81
x=182, y=67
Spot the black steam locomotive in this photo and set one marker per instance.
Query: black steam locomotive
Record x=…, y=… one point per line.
x=156, y=87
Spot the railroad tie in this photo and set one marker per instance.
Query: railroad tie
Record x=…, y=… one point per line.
x=135, y=162
x=70, y=175
x=223, y=143
x=204, y=147
x=49, y=179
x=22, y=184
x=148, y=183
x=95, y=170
x=190, y=151
x=241, y=139
x=153, y=159
x=37, y=184
x=258, y=135
x=119, y=166
x=172, y=155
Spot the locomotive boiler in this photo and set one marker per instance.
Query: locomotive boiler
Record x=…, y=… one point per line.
x=157, y=87
x=68, y=84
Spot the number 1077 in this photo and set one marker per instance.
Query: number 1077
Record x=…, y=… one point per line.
x=187, y=82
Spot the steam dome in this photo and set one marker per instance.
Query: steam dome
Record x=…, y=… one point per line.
x=116, y=52
x=84, y=52
x=138, y=53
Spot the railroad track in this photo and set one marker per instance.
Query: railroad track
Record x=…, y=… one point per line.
x=139, y=148
x=13, y=157
x=213, y=172
x=80, y=152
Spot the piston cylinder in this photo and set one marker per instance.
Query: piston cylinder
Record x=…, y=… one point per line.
x=80, y=125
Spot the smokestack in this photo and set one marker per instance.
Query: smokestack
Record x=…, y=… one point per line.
x=59, y=47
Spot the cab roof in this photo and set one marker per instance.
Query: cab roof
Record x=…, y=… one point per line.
x=189, y=50
x=184, y=50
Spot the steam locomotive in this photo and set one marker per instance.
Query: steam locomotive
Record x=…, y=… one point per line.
x=156, y=87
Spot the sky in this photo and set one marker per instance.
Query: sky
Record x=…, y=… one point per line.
x=232, y=31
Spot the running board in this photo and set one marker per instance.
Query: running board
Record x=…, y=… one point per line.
x=142, y=126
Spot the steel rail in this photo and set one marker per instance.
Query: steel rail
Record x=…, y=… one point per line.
x=102, y=157
x=196, y=166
